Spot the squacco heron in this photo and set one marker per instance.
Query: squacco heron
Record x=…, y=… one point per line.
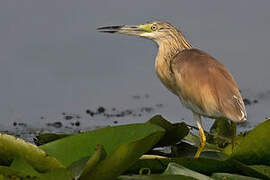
x=202, y=84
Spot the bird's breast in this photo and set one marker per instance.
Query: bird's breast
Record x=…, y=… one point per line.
x=165, y=74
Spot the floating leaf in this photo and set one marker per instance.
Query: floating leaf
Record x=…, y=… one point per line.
x=21, y=165
x=227, y=176
x=255, y=146
x=48, y=137
x=75, y=147
x=184, y=149
x=120, y=159
x=11, y=147
x=7, y=173
x=202, y=165
x=221, y=132
x=195, y=140
x=174, y=132
x=238, y=139
x=262, y=169
x=54, y=174
x=98, y=155
x=77, y=167
x=177, y=169
x=156, y=177
x=20, y=169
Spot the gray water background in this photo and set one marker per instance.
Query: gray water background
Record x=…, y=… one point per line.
x=52, y=59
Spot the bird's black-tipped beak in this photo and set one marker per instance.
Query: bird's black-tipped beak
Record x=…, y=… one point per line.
x=110, y=29
x=123, y=29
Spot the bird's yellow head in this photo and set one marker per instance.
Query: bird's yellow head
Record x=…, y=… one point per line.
x=154, y=30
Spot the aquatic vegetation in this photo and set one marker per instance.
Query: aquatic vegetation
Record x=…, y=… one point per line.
x=136, y=151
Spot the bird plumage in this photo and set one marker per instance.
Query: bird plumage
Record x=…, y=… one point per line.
x=202, y=83
x=206, y=87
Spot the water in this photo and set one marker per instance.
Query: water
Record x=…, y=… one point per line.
x=53, y=60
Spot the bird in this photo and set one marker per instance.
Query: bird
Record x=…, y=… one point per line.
x=202, y=83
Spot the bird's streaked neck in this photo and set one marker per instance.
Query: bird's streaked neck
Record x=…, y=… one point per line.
x=171, y=45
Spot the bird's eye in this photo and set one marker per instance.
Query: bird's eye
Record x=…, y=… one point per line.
x=154, y=27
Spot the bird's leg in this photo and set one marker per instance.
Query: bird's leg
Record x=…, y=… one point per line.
x=233, y=127
x=197, y=118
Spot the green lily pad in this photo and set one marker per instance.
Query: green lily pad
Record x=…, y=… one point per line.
x=21, y=165
x=8, y=173
x=75, y=147
x=221, y=132
x=262, y=169
x=12, y=147
x=195, y=140
x=177, y=169
x=227, y=176
x=77, y=167
x=238, y=139
x=201, y=165
x=21, y=169
x=119, y=160
x=98, y=155
x=174, y=132
x=254, y=148
x=156, y=177
x=44, y=138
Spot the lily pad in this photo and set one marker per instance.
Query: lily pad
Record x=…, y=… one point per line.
x=21, y=169
x=254, y=148
x=12, y=147
x=75, y=147
x=221, y=132
x=174, y=132
x=227, y=176
x=177, y=169
x=98, y=155
x=156, y=177
x=119, y=160
x=7, y=173
x=195, y=140
x=44, y=138
x=201, y=165
x=21, y=165
x=262, y=169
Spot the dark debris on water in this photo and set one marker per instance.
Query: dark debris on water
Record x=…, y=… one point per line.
x=70, y=116
x=137, y=97
x=57, y=124
x=250, y=102
x=19, y=124
x=122, y=113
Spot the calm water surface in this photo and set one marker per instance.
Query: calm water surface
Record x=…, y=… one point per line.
x=53, y=61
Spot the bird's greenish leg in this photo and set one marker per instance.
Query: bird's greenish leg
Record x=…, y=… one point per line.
x=197, y=118
x=233, y=128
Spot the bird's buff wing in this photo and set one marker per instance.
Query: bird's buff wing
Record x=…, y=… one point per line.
x=206, y=86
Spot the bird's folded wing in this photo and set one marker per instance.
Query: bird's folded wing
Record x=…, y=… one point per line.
x=207, y=85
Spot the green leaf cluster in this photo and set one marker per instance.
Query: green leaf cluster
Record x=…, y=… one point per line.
x=136, y=151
